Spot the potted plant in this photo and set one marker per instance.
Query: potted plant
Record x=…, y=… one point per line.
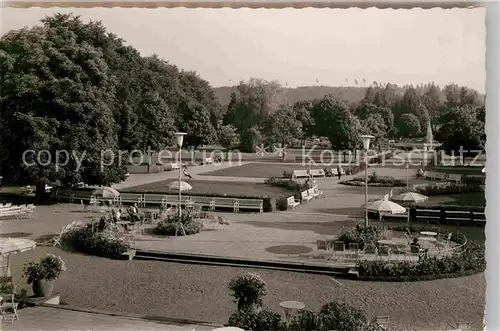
x=43, y=274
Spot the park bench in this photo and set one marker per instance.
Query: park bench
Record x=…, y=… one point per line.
x=458, y=217
x=300, y=174
x=292, y=202
x=10, y=210
x=305, y=197
x=226, y=203
x=428, y=215
x=208, y=160
x=174, y=165
x=155, y=199
x=251, y=204
x=439, y=176
x=208, y=202
x=317, y=173
x=335, y=172
x=479, y=218
x=131, y=198
x=454, y=178
x=312, y=193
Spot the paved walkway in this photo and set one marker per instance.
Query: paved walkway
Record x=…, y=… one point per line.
x=47, y=318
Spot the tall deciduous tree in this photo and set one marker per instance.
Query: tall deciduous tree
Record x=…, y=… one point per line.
x=410, y=125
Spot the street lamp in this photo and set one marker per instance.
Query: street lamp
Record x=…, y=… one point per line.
x=180, y=139
x=366, y=146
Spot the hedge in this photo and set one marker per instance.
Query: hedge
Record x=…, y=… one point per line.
x=433, y=190
x=468, y=262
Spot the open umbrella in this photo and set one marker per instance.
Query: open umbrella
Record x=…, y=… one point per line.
x=410, y=197
x=176, y=185
x=386, y=207
x=106, y=192
x=9, y=246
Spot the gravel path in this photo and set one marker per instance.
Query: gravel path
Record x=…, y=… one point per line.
x=200, y=292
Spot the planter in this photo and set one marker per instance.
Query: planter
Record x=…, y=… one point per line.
x=43, y=288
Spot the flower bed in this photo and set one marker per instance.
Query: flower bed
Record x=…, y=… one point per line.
x=375, y=180
x=169, y=225
x=88, y=240
x=468, y=261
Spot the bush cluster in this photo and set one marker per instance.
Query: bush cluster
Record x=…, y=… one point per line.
x=375, y=180
x=359, y=235
x=452, y=188
x=287, y=184
x=468, y=260
x=87, y=240
x=168, y=226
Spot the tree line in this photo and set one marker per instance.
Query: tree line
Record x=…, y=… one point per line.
x=70, y=85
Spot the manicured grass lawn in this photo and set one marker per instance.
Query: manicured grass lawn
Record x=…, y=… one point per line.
x=464, y=199
x=214, y=187
x=259, y=170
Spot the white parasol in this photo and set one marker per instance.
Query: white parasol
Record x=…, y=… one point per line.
x=9, y=246
x=106, y=192
x=386, y=206
x=182, y=185
x=410, y=197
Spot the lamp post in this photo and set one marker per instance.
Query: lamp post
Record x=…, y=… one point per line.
x=180, y=139
x=366, y=146
x=407, y=166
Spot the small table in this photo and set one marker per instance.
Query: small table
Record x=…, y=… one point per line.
x=428, y=233
x=288, y=306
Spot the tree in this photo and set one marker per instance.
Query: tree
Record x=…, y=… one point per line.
x=374, y=125
x=334, y=120
x=228, y=136
x=462, y=129
x=55, y=91
x=283, y=126
x=410, y=125
x=366, y=110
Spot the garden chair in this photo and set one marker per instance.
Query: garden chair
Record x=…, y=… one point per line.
x=399, y=251
x=8, y=305
x=447, y=239
x=384, y=250
x=148, y=217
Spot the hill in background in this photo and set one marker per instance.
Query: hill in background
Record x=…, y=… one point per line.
x=346, y=93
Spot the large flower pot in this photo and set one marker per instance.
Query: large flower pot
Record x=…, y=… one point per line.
x=43, y=288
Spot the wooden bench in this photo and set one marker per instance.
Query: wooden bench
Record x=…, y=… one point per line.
x=300, y=174
x=428, y=215
x=312, y=192
x=174, y=165
x=226, y=203
x=305, y=197
x=292, y=202
x=479, y=218
x=317, y=173
x=208, y=160
x=208, y=202
x=458, y=217
x=252, y=204
x=12, y=211
x=335, y=172
x=132, y=198
x=154, y=199
x=454, y=178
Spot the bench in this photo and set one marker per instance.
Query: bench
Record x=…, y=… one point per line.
x=479, y=218
x=300, y=174
x=454, y=178
x=208, y=202
x=312, y=192
x=132, y=198
x=292, y=202
x=317, y=192
x=12, y=211
x=174, y=165
x=305, y=197
x=428, y=215
x=252, y=204
x=226, y=203
x=317, y=173
x=458, y=217
x=335, y=172
x=208, y=160
x=155, y=199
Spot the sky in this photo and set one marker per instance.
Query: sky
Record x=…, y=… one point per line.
x=299, y=47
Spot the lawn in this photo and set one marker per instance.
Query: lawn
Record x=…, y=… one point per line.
x=202, y=187
x=459, y=170
x=261, y=170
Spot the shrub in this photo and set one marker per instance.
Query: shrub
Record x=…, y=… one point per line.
x=7, y=286
x=287, y=184
x=248, y=290
x=169, y=225
x=304, y=320
x=375, y=180
x=342, y=317
x=470, y=260
x=49, y=268
x=281, y=203
x=88, y=241
x=287, y=174
x=452, y=188
x=256, y=321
